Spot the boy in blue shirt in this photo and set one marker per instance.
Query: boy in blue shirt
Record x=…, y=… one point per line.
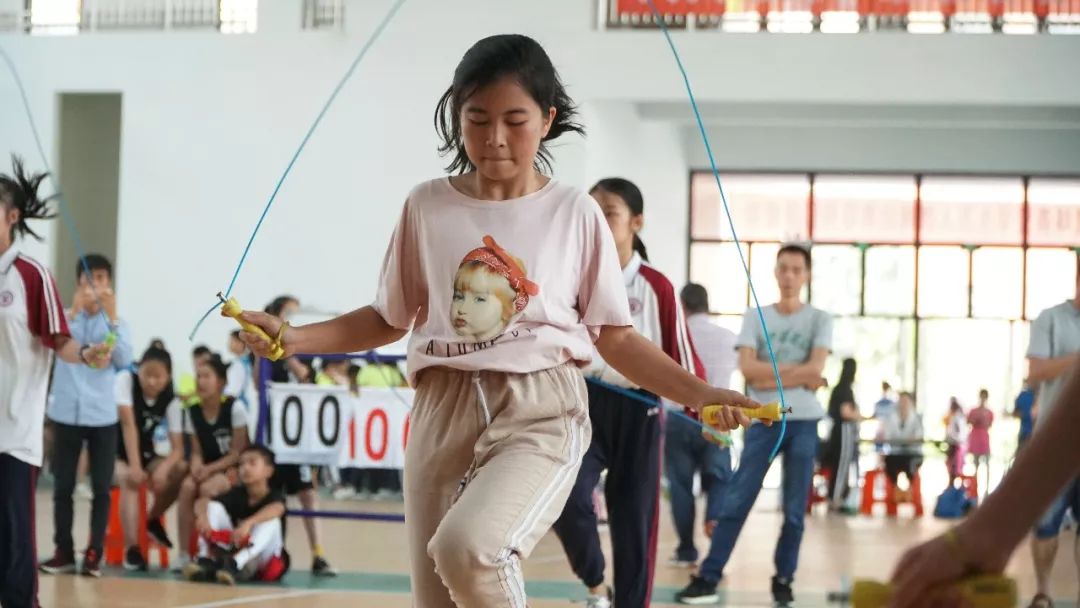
x=83, y=410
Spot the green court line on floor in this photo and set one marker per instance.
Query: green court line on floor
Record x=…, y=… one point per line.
x=397, y=583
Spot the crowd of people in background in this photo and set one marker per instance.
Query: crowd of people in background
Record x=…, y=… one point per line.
x=125, y=423
x=189, y=443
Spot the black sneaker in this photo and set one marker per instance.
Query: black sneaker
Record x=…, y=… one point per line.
x=698, y=592
x=91, y=563
x=228, y=573
x=62, y=562
x=321, y=567
x=201, y=570
x=133, y=560
x=781, y=591
x=156, y=530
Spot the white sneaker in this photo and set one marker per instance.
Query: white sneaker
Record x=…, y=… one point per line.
x=182, y=562
x=675, y=562
x=385, y=495
x=84, y=492
x=599, y=601
x=343, y=493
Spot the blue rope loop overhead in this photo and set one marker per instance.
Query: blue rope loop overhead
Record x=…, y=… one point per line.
x=65, y=213
x=727, y=212
x=296, y=155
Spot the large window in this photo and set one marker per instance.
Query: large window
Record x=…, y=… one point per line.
x=932, y=280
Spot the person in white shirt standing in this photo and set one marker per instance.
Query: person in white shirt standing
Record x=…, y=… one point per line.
x=32, y=328
x=686, y=451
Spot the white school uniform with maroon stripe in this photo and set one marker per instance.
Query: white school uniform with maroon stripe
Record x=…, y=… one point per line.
x=31, y=317
x=657, y=315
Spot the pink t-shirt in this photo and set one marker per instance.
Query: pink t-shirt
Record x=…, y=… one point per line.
x=513, y=286
x=980, y=420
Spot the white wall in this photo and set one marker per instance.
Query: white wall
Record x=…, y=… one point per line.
x=211, y=120
x=652, y=156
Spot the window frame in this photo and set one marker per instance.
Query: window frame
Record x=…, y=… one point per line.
x=1026, y=316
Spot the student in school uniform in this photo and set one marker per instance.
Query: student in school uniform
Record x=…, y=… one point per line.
x=32, y=329
x=627, y=433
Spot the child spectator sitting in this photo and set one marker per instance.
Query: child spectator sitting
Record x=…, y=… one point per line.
x=241, y=532
x=218, y=432
x=146, y=402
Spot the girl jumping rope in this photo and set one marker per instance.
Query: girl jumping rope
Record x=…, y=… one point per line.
x=500, y=420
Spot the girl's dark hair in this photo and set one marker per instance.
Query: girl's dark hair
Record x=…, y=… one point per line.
x=218, y=367
x=20, y=191
x=629, y=192
x=279, y=304
x=489, y=60
x=847, y=372
x=160, y=355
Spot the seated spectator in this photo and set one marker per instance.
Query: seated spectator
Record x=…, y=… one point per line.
x=904, y=436
x=147, y=402
x=242, y=531
x=217, y=429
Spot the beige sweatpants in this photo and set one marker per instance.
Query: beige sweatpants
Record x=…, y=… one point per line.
x=490, y=463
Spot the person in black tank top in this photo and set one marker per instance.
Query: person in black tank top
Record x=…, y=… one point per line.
x=215, y=436
x=217, y=429
x=146, y=401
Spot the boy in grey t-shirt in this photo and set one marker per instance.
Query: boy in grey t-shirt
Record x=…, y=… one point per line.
x=802, y=338
x=794, y=338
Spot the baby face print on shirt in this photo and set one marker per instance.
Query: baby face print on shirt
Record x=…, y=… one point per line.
x=490, y=289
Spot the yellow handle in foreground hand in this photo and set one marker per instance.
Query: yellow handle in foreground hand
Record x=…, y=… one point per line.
x=710, y=415
x=231, y=308
x=984, y=591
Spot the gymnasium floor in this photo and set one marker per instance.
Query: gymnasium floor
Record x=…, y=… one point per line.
x=374, y=565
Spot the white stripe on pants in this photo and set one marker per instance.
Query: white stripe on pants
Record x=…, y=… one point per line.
x=479, y=495
x=849, y=456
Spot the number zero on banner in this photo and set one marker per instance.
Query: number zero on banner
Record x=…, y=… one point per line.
x=324, y=425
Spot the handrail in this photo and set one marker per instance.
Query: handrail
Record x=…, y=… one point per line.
x=849, y=16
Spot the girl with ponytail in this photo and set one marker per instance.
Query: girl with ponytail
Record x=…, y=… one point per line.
x=626, y=431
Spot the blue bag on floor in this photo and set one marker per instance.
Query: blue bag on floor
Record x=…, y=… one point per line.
x=953, y=503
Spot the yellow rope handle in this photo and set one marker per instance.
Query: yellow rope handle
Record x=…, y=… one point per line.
x=710, y=414
x=231, y=308
x=981, y=591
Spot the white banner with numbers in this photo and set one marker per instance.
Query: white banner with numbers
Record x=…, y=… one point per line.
x=328, y=425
